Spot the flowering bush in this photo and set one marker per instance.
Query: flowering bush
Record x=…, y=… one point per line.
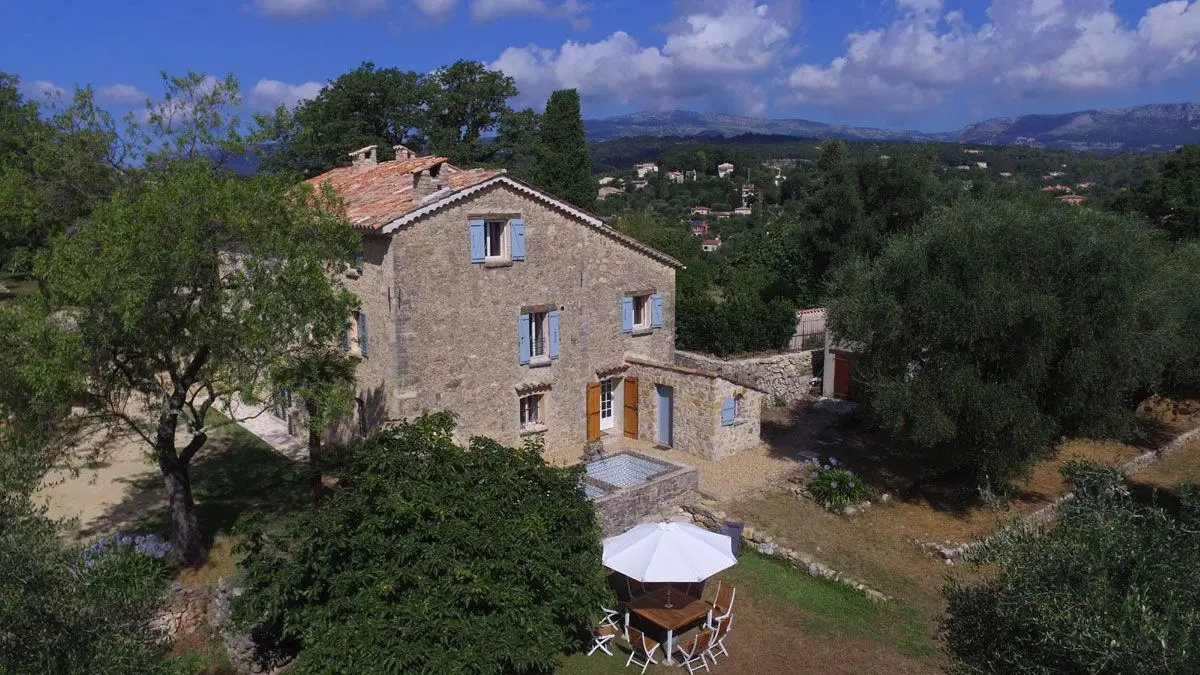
x=149, y=545
x=834, y=486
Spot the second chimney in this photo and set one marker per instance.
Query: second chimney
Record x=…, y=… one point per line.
x=403, y=153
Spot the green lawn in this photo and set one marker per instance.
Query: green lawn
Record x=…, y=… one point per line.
x=782, y=600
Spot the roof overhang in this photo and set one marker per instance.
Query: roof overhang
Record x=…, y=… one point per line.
x=528, y=190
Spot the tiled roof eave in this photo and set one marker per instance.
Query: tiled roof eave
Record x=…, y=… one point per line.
x=587, y=218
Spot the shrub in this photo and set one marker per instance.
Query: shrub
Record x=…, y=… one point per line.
x=66, y=610
x=834, y=486
x=1110, y=589
x=429, y=557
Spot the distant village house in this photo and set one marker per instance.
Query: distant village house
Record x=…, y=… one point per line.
x=724, y=170
x=645, y=169
x=710, y=245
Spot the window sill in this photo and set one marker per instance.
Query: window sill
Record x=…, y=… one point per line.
x=639, y=332
x=539, y=361
x=497, y=262
x=533, y=430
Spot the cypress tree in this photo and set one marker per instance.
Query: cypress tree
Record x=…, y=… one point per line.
x=562, y=166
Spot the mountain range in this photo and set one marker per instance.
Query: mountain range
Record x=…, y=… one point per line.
x=1148, y=128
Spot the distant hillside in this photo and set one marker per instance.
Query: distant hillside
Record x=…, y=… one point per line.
x=1156, y=127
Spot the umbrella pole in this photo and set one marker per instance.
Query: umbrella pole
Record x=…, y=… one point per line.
x=668, y=605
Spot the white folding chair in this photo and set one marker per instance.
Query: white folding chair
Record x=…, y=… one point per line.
x=610, y=617
x=693, y=651
x=601, y=636
x=641, y=649
x=718, y=639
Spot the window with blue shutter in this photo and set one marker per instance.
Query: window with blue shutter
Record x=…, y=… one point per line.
x=523, y=338
x=517, y=227
x=553, y=334
x=362, y=334
x=477, y=245
x=728, y=411
x=656, y=311
x=627, y=314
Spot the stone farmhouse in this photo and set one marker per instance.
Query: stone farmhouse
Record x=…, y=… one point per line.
x=524, y=315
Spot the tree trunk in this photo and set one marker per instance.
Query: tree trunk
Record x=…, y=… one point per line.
x=314, y=455
x=185, y=525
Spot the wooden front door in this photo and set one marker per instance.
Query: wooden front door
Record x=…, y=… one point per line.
x=631, y=407
x=593, y=411
x=843, y=369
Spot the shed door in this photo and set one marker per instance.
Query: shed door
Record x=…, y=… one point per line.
x=593, y=411
x=843, y=369
x=631, y=407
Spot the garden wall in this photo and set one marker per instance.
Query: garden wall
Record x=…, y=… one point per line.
x=784, y=376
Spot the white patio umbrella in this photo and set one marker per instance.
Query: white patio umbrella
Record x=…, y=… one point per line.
x=665, y=552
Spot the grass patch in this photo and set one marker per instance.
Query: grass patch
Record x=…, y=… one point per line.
x=221, y=562
x=832, y=607
x=200, y=653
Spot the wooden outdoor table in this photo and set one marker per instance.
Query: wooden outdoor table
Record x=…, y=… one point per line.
x=683, y=611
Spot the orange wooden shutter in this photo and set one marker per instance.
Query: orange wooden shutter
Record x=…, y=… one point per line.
x=631, y=407
x=593, y=411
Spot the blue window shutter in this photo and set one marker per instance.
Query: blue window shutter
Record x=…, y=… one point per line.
x=362, y=334
x=523, y=337
x=727, y=411
x=518, y=238
x=553, y=330
x=656, y=311
x=477, y=249
x=627, y=314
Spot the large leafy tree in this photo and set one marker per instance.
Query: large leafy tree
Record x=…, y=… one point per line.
x=562, y=166
x=56, y=162
x=1110, y=589
x=446, y=112
x=1172, y=198
x=996, y=327
x=429, y=557
x=185, y=289
x=366, y=106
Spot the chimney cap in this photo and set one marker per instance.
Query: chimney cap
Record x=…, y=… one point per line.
x=364, y=156
x=404, y=152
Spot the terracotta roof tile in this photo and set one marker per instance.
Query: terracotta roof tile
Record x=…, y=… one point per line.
x=375, y=195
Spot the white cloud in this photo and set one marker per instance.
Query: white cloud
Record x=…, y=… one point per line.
x=121, y=94
x=571, y=11
x=711, y=52
x=438, y=10
x=270, y=94
x=43, y=90
x=1026, y=48
x=316, y=9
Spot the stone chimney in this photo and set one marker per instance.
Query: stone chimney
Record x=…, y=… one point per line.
x=403, y=153
x=364, y=156
x=426, y=182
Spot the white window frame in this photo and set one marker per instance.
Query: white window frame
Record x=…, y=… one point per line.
x=532, y=409
x=642, y=305
x=608, y=394
x=493, y=230
x=539, y=334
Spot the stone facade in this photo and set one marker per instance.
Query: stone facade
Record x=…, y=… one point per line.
x=443, y=330
x=785, y=376
x=697, y=397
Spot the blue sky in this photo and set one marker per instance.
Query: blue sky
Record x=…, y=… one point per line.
x=921, y=64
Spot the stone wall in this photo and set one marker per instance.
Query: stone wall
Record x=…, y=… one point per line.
x=786, y=376
x=697, y=409
x=444, y=330
x=620, y=510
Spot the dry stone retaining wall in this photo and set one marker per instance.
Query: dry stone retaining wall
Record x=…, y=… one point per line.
x=785, y=376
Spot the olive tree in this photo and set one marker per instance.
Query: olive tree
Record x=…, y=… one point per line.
x=188, y=286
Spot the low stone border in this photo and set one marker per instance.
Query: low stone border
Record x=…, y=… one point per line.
x=705, y=514
x=951, y=551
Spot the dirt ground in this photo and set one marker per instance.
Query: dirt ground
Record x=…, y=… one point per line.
x=101, y=497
